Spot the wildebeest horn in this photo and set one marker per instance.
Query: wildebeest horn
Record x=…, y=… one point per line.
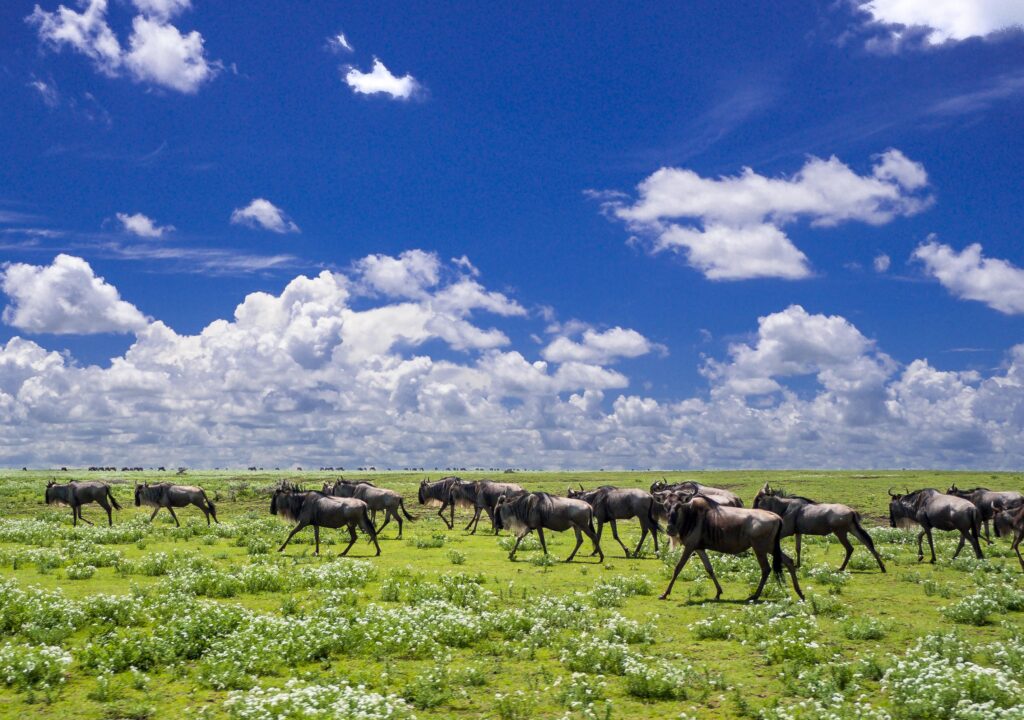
x=891, y=493
x=581, y=486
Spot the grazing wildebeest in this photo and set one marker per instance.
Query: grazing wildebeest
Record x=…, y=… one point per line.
x=611, y=504
x=77, y=494
x=703, y=524
x=387, y=501
x=803, y=516
x=319, y=510
x=440, y=493
x=985, y=500
x=167, y=495
x=931, y=509
x=482, y=495
x=540, y=511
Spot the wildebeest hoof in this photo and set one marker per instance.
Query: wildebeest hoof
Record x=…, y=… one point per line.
x=663, y=596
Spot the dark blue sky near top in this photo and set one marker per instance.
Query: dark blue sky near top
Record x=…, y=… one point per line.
x=524, y=109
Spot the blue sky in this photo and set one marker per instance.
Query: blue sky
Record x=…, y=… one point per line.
x=527, y=140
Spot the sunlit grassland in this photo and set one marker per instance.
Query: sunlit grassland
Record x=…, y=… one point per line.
x=736, y=660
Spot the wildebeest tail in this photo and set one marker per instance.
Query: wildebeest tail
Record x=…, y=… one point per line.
x=366, y=525
x=209, y=504
x=652, y=515
x=401, y=505
x=777, y=554
x=864, y=536
x=976, y=524
x=113, y=500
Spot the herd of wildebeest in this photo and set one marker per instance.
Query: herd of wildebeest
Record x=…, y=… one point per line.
x=697, y=517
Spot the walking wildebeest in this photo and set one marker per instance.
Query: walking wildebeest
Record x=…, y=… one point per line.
x=1017, y=529
x=540, y=511
x=985, y=500
x=440, y=493
x=77, y=494
x=692, y=487
x=611, y=504
x=803, y=516
x=931, y=509
x=319, y=510
x=482, y=495
x=387, y=501
x=167, y=495
x=703, y=524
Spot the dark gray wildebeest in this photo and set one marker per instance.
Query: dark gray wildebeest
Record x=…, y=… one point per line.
x=803, y=516
x=387, y=501
x=931, y=509
x=1016, y=528
x=702, y=523
x=692, y=487
x=167, y=495
x=611, y=504
x=985, y=500
x=319, y=510
x=482, y=496
x=539, y=511
x=439, y=494
x=77, y=494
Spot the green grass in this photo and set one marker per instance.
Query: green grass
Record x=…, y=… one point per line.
x=654, y=659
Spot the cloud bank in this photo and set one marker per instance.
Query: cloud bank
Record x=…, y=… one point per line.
x=399, y=361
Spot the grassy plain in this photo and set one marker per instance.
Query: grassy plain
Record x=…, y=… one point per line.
x=726, y=659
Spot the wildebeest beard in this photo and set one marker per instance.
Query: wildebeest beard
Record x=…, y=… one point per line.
x=288, y=505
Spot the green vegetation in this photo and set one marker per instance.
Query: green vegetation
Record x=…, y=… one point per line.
x=149, y=621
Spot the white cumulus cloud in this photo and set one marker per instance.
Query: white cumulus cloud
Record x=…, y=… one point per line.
x=943, y=21
x=65, y=298
x=143, y=226
x=972, y=276
x=157, y=52
x=598, y=348
x=730, y=228
x=882, y=263
x=380, y=80
x=263, y=213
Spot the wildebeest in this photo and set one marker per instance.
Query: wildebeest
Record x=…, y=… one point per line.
x=702, y=524
x=540, y=511
x=482, y=495
x=439, y=493
x=985, y=500
x=931, y=509
x=170, y=496
x=387, y=501
x=76, y=494
x=1017, y=529
x=692, y=487
x=319, y=510
x=611, y=504
x=803, y=516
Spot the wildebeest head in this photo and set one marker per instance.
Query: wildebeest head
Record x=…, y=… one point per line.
x=902, y=506
x=764, y=492
x=575, y=494
x=423, y=487
x=686, y=513
x=52, y=493
x=138, y=493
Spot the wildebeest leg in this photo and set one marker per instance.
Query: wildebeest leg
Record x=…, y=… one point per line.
x=985, y=524
x=440, y=514
x=920, y=549
x=861, y=535
x=976, y=546
x=1016, y=546
x=615, y=534
x=846, y=544
x=931, y=543
x=387, y=519
x=600, y=529
x=399, y=519
x=154, y=513
x=490, y=516
x=476, y=516
x=579, y=541
x=295, y=529
x=74, y=516
x=82, y=517
x=351, y=539
x=588, y=531
x=643, y=536
x=798, y=548
x=711, y=571
x=519, y=539
x=766, y=569
x=316, y=539
x=171, y=511
x=687, y=552
x=792, y=573
x=543, y=545
x=960, y=545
